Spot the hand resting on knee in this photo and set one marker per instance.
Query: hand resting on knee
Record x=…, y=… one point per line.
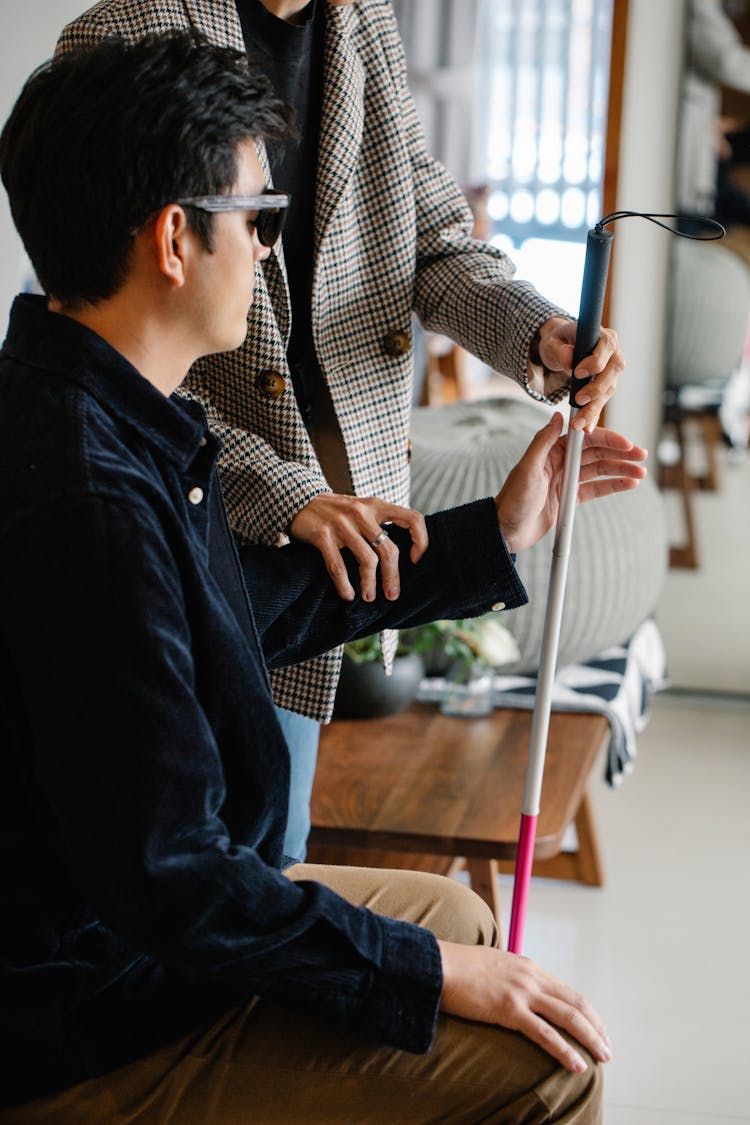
x=492, y=986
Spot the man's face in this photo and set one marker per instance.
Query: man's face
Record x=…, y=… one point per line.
x=225, y=278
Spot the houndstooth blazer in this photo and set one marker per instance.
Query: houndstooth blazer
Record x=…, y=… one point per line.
x=392, y=235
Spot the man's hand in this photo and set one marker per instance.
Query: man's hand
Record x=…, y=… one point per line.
x=528, y=502
x=331, y=522
x=492, y=986
x=555, y=347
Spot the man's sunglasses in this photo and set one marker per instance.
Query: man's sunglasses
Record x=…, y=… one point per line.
x=271, y=207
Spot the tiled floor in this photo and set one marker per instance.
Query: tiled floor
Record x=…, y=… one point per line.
x=662, y=949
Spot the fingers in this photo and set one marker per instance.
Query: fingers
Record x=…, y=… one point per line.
x=610, y=463
x=551, y=1041
x=386, y=553
x=610, y=439
x=332, y=522
x=606, y=363
x=603, y=474
x=543, y=441
x=571, y=1012
x=552, y=1006
x=608, y=486
x=369, y=557
x=612, y=467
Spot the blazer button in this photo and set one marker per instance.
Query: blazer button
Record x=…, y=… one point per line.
x=272, y=384
x=396, y=343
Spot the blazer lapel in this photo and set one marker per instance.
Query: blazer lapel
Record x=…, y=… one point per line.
x=342, y=115
x=217, y=20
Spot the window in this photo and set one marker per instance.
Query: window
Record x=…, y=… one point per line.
x=544, y=77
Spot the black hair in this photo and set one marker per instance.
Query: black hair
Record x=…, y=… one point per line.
x=101, y=138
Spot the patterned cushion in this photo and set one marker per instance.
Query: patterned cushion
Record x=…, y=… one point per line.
x=619, y=553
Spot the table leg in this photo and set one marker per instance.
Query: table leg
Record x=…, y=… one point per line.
x=485, y=882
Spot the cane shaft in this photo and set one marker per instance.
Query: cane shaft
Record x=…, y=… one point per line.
x=596, y=266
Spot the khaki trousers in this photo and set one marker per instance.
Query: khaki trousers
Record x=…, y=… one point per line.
x=264, y=1065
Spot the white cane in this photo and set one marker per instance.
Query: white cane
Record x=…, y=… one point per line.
x=596, y=266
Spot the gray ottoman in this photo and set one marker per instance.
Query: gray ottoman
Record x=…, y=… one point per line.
x=619, y=556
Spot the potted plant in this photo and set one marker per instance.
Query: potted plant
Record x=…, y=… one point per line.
x=461, y=651
x=365, y=691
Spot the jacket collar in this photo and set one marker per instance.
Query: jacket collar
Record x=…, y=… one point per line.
x=67, y=350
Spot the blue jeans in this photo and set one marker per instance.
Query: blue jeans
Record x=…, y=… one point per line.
x=302, y=735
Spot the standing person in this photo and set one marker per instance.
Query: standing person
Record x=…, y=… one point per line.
x=157, y=965
x=314, y=408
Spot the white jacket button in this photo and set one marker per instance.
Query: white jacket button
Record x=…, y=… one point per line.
x=195, y=495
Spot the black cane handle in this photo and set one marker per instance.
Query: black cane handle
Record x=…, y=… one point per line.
x=593, y=288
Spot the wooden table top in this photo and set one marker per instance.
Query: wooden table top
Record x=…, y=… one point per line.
x=422, y=781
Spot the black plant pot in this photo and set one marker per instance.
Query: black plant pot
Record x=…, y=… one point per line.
x=365, y=692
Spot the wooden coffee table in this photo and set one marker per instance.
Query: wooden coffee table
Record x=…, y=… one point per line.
x=425, y=790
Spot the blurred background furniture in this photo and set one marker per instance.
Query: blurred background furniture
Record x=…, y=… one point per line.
x=710, y=308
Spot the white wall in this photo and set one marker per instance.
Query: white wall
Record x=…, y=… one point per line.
x=28, y=33
x=645, y=183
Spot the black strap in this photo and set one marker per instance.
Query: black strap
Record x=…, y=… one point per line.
x=714, y=229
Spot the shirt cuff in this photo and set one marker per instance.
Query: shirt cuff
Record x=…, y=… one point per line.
x=402, y=1006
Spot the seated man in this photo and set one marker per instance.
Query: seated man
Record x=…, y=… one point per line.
x=158, y=964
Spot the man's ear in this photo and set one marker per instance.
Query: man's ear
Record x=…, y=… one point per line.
x=171, y=238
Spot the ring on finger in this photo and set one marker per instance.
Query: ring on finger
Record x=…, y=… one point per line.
x=380, y=539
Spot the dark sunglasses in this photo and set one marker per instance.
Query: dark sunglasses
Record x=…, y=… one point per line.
x=271, y=207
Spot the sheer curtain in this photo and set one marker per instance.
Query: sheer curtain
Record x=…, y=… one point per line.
x=513, y=94
x=441, y=38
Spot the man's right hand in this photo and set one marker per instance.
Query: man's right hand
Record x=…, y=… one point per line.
x=492, y=986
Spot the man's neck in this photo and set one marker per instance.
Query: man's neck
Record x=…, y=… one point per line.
x=145, y=341
x=287, y=10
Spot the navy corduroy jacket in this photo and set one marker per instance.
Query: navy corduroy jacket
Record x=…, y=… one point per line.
x=143, y=776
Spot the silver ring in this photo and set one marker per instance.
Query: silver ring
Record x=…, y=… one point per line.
x=380, y=539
